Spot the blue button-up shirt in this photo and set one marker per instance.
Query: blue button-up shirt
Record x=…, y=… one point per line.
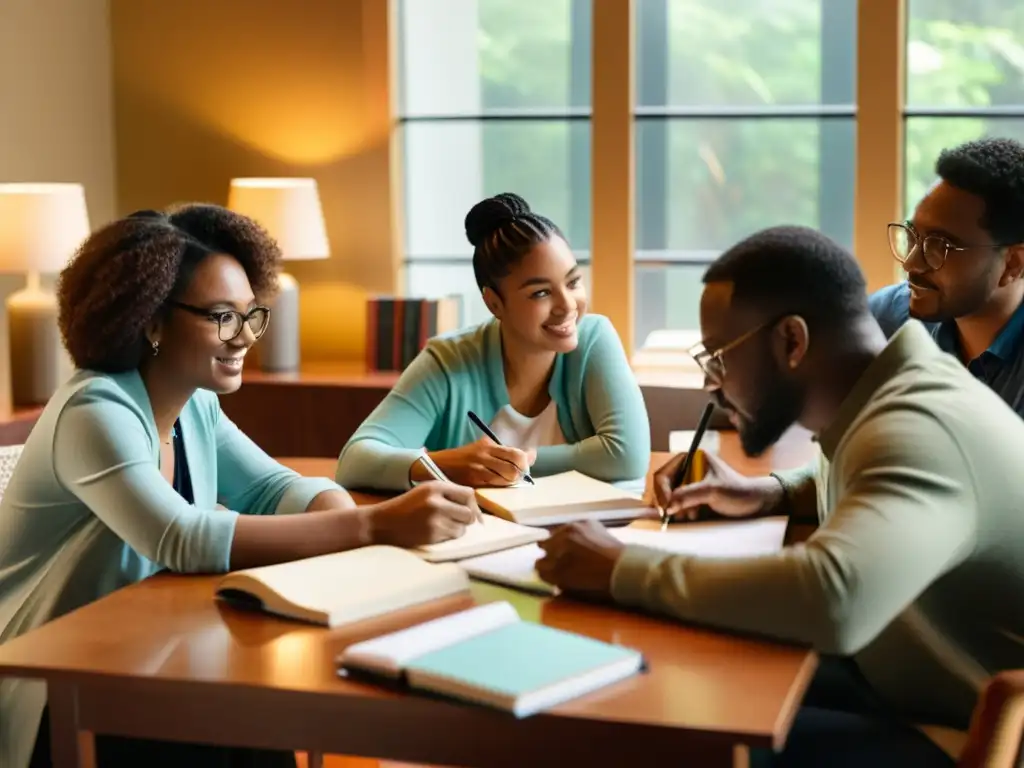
x=1001, y=366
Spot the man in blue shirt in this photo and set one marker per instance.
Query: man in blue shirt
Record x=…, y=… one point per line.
x=963, y=252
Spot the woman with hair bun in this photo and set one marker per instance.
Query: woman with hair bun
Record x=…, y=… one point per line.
x=551, y=381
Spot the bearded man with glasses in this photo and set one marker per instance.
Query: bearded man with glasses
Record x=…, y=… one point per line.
x=918, y=501
x=963, y=252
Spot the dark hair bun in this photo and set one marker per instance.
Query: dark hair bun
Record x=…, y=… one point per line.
x=487, y=216
x=147, y=214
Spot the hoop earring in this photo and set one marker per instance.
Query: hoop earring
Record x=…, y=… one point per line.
x=156, y=348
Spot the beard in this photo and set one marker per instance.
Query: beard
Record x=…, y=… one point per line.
x=778, y=409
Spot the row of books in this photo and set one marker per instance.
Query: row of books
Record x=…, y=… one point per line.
x=397, y=328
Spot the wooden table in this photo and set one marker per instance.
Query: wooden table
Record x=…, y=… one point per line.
x=162, y=659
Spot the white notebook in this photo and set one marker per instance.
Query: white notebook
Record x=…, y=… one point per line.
x=492, y=534
x=517, y=567
x=562, y=498
x=488, y=655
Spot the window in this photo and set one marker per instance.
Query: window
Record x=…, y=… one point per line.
x=494, y=96
x=744, y=119
x=965, y=80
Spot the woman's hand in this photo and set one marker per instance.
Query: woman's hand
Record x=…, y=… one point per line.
x=480, y=464
x=430, y=513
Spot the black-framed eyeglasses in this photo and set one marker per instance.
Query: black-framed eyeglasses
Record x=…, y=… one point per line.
x=904, y=241
x=230, y=322
x=711, y=361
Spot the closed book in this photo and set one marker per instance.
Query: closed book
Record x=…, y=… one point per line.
x=344, y=587
x=487, y=655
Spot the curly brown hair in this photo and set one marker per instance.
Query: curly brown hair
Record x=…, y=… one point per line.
x=123, y=275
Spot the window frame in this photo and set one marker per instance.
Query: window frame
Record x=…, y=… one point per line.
x=580, y=93
x=879, y=160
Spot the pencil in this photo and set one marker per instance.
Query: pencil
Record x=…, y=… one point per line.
x=487, y=431
x=684, y=468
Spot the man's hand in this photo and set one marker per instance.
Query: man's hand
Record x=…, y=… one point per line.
x=723, y=489
x=580, y=557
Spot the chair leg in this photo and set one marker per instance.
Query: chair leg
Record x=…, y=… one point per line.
x=315, y=760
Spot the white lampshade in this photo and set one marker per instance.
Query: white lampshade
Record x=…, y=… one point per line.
x=41, y=226
x=289, y=209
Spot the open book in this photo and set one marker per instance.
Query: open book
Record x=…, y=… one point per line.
x=344, y=587
x=492, y=534
x=720, y=539
x=562, y=498
x=488, y=655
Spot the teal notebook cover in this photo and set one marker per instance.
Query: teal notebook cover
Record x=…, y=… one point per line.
x=519, y=658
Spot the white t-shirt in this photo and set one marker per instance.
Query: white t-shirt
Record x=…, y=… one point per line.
x=523, y=432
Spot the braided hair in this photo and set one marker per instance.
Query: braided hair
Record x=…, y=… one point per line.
x=503, y=229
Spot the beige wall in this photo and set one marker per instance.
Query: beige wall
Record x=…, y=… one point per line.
x=56, y=116
x=206, y=90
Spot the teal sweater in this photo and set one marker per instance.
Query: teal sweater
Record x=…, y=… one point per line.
x=87, y=512
x=600, y=409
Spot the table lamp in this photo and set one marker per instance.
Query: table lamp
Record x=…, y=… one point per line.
x=41, y=226
x=290, y=211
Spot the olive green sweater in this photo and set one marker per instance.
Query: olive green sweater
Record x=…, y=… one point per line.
x=917, y=567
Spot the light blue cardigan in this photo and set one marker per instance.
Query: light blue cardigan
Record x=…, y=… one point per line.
x=600, y=409
x=87, y=511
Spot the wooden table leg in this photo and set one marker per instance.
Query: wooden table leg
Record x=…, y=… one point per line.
x=70, y=746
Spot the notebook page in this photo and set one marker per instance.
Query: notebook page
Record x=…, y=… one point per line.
x=511, y=568
x=489, y=535
x=389, y=654
x=570, y=489
x=726, y=538
x=347, y=581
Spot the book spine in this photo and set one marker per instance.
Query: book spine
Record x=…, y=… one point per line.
x=397, y=328
x=411, y=330
x=428, y=328
x=372, y=330
x=386, y=335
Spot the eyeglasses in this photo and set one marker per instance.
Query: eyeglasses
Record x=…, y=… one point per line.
x=904, y=241
x=230, y=322
x=712, y=363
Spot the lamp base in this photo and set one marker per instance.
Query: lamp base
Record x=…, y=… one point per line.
x=279, y=345
x=35, y=346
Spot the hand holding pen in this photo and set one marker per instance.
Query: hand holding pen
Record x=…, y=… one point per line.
x=480, y=464
x=494, y=439
x=677, y=472
x=721, y=488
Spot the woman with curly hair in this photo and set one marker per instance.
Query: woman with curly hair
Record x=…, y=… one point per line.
x=551, y=381
x=124, y=471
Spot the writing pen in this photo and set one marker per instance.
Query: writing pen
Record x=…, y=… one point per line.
x=684, y=467
x=487, y=431
x=437, y=474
